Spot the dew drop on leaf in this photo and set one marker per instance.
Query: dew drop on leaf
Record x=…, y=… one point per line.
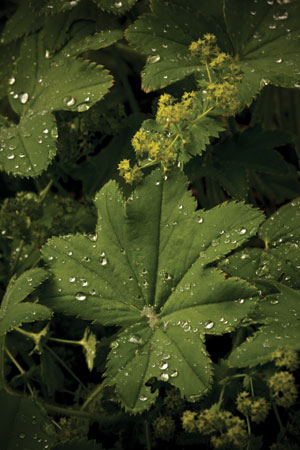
x=11, y=81
x=72, y=279
x=24, y=98
x=243, y=231
x=143, y=398
x=209, y=325
x=22, y=435
x=153, y=59
x=80, y=296
x=164, y=377
x=164, y=366
x=69, y=101
x=174, y=374
x=83, y=107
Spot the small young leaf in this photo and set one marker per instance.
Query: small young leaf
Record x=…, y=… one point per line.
x=12, y=312
x=146, y=270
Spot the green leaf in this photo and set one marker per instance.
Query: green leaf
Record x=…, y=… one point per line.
x=281, y=313
x=25, y=20
x=12, y=312
x=8, y=55
x=280, y=259
x=265, y=37
x=165, y=36
x=44, y=84
x=146, y=270
x=23, y=424
x=115, y=6
x=250, y=151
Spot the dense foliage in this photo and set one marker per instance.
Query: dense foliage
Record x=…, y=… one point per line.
x=150, y=211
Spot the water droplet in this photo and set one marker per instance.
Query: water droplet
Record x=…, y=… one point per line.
x=200, y=220
x=72, y=279
x=134, y=339
x=83, y=107
x=174, y=374
x=281, y=16
x=279, y=60
x=164, y=366
x=24, y=98
x=164, y=377
x=47, y=54
x=92, y=237
x=165, y=77
x=209, y=325
x=143, y=398
x=243, y=231
x=11, y=81
x=69, y=101
x=10, y=156
x=22, y=435
x=54, y=132
x=103, y=260
x=153, y=59
x=118, y=5
x=80, y=296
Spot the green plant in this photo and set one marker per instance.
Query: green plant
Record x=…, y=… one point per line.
x=149, y=253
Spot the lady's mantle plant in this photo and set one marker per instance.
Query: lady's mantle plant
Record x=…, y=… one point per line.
x=158, y=233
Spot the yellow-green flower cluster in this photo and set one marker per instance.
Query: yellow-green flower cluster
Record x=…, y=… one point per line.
x=130, y=174
x=286, y=358
x=169, y=112
x=164, y=427
x=205, y=48
x=256, y=409
x=157, y=146
x=283, y=388
x=225, y=429
x=223, y=74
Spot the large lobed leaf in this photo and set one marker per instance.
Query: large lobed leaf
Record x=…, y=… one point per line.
x=47, y=79
x=263, y=38
x=147, y=270
x=14, y=311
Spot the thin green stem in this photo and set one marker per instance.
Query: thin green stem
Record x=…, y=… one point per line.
x=252, y=387
x=65, y=341
x=277, y=416
x=18, y=366
x=21, y=370
x=45, y=191
x=147, y=435
x=208, y=72
x=221, y=396
x=92, y=396
x=63, y=364
x=248, y=425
